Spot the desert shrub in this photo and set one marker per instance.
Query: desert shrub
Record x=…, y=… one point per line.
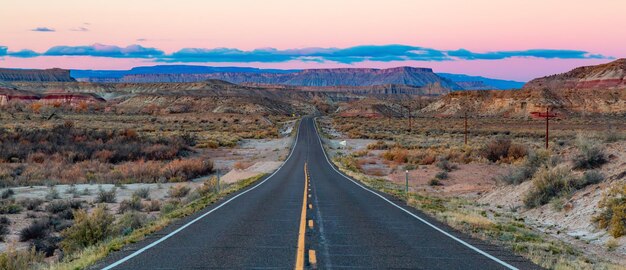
x=13, y=259
x=497, y=149
x=590, y=154
x=38, y=229
x=4, y=227
x=105, y=196
x=549, y=183
x=10, y=207
x=241, y=165
x=396, y=154
x=410, y=167
x=129, y=222
x=88, y=229
x=446, y=165
x=208, y=186
x=186, y=169
x=501, y=149
x=178, y=191
x=152, y=206
x=143, y=193
x=534, y=160
x=441, y=175
x=589, y=178
x=349, y=162
x=132, y=204
x=613, y=214
x=52, y=194
x=72, y=190
x=434, y=182
x=46, y=245
x=378, y=145
x=168, y=207
x=31, y=203
x=56, y=207
x=7, y=193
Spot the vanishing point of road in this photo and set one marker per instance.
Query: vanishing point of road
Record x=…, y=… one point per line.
x=309, y=215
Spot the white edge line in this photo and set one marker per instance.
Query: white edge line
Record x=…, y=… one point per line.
x=409, y=212
x=115, y=264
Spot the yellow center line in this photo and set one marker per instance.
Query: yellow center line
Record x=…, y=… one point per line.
x=302, y=232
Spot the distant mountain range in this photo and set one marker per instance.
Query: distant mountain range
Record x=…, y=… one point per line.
x=417, y=77
x=605, y=76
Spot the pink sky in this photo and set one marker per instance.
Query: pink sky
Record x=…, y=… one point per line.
x=480, y=26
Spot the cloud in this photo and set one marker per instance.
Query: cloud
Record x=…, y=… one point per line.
x=24, y=54
x=3, y=50
x=374, y=53
x=100, y=50
x=377, y=53
x=537, y=53
x=43, y=29
x=80, y=29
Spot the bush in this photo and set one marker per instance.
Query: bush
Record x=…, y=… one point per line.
x=534, y=160
x=442, y=175
x=152, y=206
x=186, y=169
x=501, y=149
x=9, y=207
x=396, y=154
x=178, y=191
x=31, y=204
x=88, y=229
x=613, y=215
x=549, y=183
x=168, y=208
x=4, y=227
x=134, y=204
x=56, y=207
x=7, y=193
x=38, y=229
x=129, y=222
x=208, y=186
x=591, y=155
x=589, y=178
x=47, y=245
x=106, y=196
x=434, y=182
x=143, y=193
x=52, y=194
x=13, y=259
x=446, y=165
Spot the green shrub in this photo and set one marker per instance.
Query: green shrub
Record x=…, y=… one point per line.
x=589, y=178
x=549, y=183
x=500, y=149
x=13, y=259
x=143, y=193
x=132, y=204
x=88, y=229
x=106, y=196
x=591, y=154
x=168, y=208
x=446, y=165
x=9, y=207
x=534, y=160
x=46, y=245
x=613, y=215
x=434, y=182
x=31, y=204
x=129, y=222
x=52, y=194
x=152, y=206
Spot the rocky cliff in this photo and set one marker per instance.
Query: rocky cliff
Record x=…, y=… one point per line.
x=35, y=75
x=606, y=76
x=410, y=76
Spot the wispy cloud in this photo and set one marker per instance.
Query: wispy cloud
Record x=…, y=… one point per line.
x=80, y=29
x=100, y=50
x=42, y=29
x=3, y=50
x=376, y=53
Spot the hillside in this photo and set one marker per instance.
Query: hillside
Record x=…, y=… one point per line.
x=605, y=76
x=470, y=82
x=35, y=75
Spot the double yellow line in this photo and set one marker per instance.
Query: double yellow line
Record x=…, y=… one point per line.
x=302, y=230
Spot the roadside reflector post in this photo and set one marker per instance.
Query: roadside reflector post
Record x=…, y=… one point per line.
x=218, y=180
x=406, y=187
x=547, y=125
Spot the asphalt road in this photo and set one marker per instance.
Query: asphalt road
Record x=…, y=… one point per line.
x=352, y=227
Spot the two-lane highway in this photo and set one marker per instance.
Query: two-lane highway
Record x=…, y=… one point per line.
x=348, y=226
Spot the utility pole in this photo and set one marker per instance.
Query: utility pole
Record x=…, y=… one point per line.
x=409, y=109
x=406, y=187
x=547, y=125
x=218, y=181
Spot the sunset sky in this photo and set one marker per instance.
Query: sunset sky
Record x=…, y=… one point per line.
x=508, y=39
